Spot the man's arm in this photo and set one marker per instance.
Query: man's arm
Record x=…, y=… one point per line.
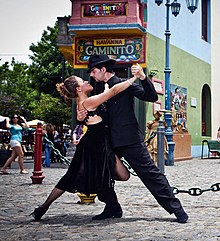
x=81, y=115
x=148, y=92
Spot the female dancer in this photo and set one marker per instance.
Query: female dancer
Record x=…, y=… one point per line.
x=91, y=169
x=16, y=126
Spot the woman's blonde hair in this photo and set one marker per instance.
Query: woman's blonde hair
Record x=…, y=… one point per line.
x=67, y=89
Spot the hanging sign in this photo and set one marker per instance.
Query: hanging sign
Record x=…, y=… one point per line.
x=123, y=50
x=105, y=9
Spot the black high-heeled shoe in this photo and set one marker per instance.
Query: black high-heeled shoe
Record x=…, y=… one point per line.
x=38, y=212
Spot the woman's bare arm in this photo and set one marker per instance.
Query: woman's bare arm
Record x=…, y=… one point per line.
x=7, y=124
x=24, y=124
x=94, y=101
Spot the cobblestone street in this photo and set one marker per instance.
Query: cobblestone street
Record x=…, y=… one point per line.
x=143, y=218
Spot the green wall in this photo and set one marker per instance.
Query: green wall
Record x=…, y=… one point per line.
x=187, y=71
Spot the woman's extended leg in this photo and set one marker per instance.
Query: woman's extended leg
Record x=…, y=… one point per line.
x=40, y=211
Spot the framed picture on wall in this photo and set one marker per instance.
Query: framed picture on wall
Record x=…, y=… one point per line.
x=158, y=85
x=178, y=100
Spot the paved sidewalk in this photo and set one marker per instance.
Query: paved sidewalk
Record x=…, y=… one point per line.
x=143, y=218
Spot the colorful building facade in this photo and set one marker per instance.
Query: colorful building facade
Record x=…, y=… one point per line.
x=133, y=31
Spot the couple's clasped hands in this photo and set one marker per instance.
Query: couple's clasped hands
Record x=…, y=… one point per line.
x=137, y=71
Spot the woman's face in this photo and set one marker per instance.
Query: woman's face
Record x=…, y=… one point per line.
x=84, y=85
x=15, y=118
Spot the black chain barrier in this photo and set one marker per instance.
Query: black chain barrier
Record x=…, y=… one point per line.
x=56, y=151
x=194, y=191
x=127, y=165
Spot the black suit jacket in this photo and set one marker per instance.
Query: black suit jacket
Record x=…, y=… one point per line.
x=124, y=127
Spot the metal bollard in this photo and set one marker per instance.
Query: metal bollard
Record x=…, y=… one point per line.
x=160, y=146
x=37, y=177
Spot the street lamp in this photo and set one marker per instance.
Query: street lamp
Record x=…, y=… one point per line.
x=175, y=9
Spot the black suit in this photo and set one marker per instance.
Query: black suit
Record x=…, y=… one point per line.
x=128, y=142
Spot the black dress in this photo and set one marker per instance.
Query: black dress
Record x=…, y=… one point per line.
x=91, y=169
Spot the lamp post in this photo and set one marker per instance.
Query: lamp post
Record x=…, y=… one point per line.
x=175, y=9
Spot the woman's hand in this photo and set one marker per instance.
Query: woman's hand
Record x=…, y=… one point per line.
x=22, y=118
x=25, y=125
x=75, y=142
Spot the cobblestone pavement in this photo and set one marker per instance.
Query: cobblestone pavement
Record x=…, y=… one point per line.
x=143, y=218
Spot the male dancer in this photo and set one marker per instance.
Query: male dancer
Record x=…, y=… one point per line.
x=128, y=140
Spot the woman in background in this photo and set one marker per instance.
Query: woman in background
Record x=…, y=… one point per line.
x=16, y=125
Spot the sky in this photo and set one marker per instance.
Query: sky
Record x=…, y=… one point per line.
x=22, y=23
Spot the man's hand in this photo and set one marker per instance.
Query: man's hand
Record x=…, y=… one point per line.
x=81, y=115
x=137, y=71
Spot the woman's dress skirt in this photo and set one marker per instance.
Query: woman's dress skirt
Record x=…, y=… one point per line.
x=91, y=169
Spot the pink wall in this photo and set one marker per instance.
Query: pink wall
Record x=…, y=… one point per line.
x=133, y=15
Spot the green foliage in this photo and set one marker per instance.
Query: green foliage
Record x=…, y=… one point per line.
x=52, y=110
x=16, y=92
x=48, y=64
x=31, y=90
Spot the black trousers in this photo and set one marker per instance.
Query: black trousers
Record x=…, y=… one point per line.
x=156, y=182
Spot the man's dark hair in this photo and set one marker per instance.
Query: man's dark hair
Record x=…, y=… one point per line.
x=107, y=66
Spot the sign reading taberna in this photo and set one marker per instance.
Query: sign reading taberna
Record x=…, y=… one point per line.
x=105, y=9
x=123, y=50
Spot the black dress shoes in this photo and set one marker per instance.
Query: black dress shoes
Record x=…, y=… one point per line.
x=181, y=215
x=109, y=212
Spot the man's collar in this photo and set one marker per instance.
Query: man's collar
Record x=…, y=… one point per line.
x=111, y=80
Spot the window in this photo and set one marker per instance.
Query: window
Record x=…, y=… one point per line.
x=206, y=21
x=206, y=111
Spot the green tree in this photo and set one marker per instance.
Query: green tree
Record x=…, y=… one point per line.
x=52, y=110
x=48, y=66
x=16, y=93
x=31, y=90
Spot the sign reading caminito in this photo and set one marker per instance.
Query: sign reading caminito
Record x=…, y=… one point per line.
x=123, y=50
x=105, y=9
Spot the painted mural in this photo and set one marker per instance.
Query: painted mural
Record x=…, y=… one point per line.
x=178, y=100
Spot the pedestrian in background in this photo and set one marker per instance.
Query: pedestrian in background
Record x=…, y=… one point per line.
x=49, y=133
x=15, y=125
x=218, y=134
x=77, y=134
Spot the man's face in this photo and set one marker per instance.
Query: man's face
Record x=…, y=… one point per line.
x=98, y=74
